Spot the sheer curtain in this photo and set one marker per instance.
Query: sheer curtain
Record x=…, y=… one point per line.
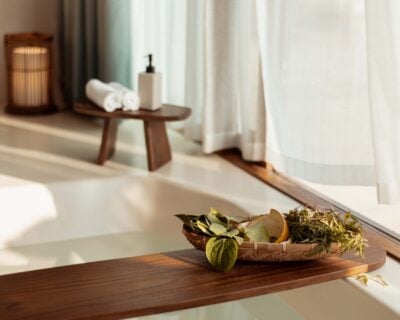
x=318, y=78
x=383, y=44
x=208, y=53
x=332, y=76
x=234, y=107
x=314, y=68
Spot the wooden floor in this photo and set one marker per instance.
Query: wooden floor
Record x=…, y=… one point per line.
x=157, y=283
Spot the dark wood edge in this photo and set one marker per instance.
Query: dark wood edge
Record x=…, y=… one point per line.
x=166, y=113
x=37, y=110
x=309, y=197
x=24, y=38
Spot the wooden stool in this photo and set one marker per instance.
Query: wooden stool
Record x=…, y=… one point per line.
x=157, y=144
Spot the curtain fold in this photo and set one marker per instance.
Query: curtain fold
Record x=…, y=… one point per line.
x=383, y=52
x=194, y=74
x=234, y=108
x=95, y=38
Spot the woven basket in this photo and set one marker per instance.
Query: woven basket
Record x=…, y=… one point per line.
x=258, y=251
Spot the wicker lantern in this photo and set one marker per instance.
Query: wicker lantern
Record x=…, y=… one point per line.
x=29, y=72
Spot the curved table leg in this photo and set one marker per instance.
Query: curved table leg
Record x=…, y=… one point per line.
x=108, y=140
x=157, y=144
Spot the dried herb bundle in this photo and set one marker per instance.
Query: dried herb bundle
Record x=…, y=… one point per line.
x=326, y=227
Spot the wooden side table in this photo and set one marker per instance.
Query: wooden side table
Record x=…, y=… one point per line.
x=157, y=144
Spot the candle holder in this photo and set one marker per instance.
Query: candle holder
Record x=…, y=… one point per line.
x=29, y=73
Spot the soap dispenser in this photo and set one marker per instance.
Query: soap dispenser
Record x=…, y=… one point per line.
x=150, y=87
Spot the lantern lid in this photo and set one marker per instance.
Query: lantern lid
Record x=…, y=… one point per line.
x=27, y=38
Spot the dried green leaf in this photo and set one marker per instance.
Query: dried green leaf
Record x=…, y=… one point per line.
x=217, y=217
x=203, y=227
x=239, y=239
x=218, y=229
x=213, y=219
x=203, y=218
x=232, y=233
x=256, y=233
x=188, y=220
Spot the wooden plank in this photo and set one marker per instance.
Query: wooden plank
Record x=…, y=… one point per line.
x=166, y=113
x=307, y=196
x=156, y=283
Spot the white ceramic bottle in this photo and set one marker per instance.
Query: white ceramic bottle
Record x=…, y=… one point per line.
x=150, y=87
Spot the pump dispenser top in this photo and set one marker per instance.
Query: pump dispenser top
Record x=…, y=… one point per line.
x=150, y=68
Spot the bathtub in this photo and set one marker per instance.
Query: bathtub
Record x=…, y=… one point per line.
x=58, y=209
x=54, y=224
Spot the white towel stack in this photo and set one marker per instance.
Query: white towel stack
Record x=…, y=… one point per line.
x=103, y=95
x=130, y=99
x=112, y=96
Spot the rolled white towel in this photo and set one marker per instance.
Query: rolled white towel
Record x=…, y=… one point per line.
x=103, y=95
x=130, y=98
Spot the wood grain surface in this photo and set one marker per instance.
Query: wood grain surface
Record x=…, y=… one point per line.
x=166, y=113
x=156, y=283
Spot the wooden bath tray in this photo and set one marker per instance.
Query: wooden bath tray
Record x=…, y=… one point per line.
x=156, y=283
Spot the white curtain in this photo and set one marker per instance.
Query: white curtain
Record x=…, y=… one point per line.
x=318, y=78
x=234, y=114
x=383, y=44
x=331, y=73
x=314, y=68
x=208, y=53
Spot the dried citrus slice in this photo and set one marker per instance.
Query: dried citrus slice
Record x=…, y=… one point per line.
x=275, y=224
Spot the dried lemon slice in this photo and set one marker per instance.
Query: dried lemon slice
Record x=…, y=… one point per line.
x=275, y=224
